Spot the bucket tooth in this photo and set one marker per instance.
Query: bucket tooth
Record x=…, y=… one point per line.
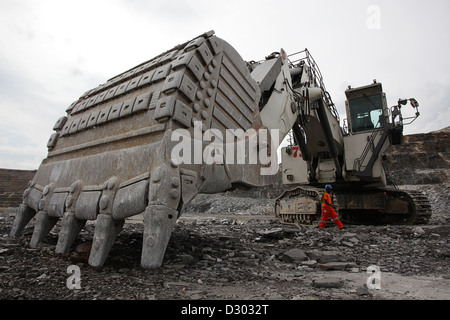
x=44, y=223
x=106, y=231
x=23, y=215
x=70, y=228
x=159, y=222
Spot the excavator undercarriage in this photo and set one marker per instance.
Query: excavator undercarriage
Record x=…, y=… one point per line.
x=301, y=205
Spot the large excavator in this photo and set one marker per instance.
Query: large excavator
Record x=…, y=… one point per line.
x=199, y=119
x=350, y=158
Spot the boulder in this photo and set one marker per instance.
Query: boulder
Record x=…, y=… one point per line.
x=328, y=282
x=326, y=256
x=294, y=255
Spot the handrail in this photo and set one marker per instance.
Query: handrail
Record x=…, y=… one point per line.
x=317, y=77
x=382, y=126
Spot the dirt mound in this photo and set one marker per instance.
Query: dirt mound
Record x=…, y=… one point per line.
x=228, y=202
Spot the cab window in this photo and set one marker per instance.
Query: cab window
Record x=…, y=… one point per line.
x=365, y=112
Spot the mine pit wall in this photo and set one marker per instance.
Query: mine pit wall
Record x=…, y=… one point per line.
x=423, y=159
x=12, y=185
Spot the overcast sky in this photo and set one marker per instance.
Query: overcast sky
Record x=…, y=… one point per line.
x=52, y=51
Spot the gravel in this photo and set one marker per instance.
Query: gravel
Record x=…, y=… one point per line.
x=233, y=249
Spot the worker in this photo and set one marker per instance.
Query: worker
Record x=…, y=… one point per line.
x=328, y=209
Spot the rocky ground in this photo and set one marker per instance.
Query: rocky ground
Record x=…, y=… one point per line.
x=226, y=247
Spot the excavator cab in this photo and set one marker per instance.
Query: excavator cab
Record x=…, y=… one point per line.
x=366, y=108
x=368, y=131
x=372, y=127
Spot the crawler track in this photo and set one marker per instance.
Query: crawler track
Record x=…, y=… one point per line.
x=421, y=205
x=307, y=217
x=373, y=206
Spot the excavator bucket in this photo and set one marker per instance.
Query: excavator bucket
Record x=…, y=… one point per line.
x=142, y=143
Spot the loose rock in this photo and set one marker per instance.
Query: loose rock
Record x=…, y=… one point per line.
x=329, y=282
x=255, y=259
x=294, y=255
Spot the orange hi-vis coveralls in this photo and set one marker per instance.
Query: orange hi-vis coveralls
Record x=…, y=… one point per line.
x=329, y=212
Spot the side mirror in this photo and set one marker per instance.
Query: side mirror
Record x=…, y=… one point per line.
x=414, y=103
